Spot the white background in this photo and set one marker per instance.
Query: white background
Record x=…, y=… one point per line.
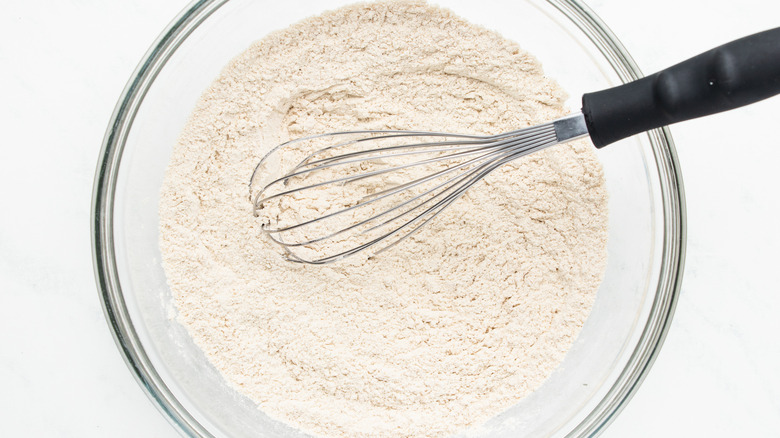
x=63, y=65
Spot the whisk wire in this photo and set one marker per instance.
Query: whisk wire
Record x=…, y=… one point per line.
x=495, y=150
x=372, y=218
x=473, y=140
x=469, y=151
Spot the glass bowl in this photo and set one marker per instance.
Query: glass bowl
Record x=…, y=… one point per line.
x=634, y=305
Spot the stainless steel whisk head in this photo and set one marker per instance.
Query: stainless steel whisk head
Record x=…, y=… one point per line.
x=369, y=190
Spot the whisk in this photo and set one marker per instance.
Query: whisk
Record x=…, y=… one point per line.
x=366, y=191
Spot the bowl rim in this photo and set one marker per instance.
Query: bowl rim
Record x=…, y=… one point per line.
x=102, y=221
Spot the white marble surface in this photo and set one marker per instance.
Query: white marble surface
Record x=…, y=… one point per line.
x=64, y=64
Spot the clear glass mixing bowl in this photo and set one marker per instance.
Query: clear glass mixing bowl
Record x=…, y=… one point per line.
x=646, y=246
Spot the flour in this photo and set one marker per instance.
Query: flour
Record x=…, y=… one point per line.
x=440, y=333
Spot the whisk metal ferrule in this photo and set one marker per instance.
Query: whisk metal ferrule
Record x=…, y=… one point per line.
x=570, y=127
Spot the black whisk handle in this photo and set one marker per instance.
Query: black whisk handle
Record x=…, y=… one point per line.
x=733, y=75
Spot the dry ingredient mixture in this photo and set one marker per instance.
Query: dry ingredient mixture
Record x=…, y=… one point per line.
x=450, y=328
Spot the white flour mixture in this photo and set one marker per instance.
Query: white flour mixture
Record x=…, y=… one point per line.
x=440, y=333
